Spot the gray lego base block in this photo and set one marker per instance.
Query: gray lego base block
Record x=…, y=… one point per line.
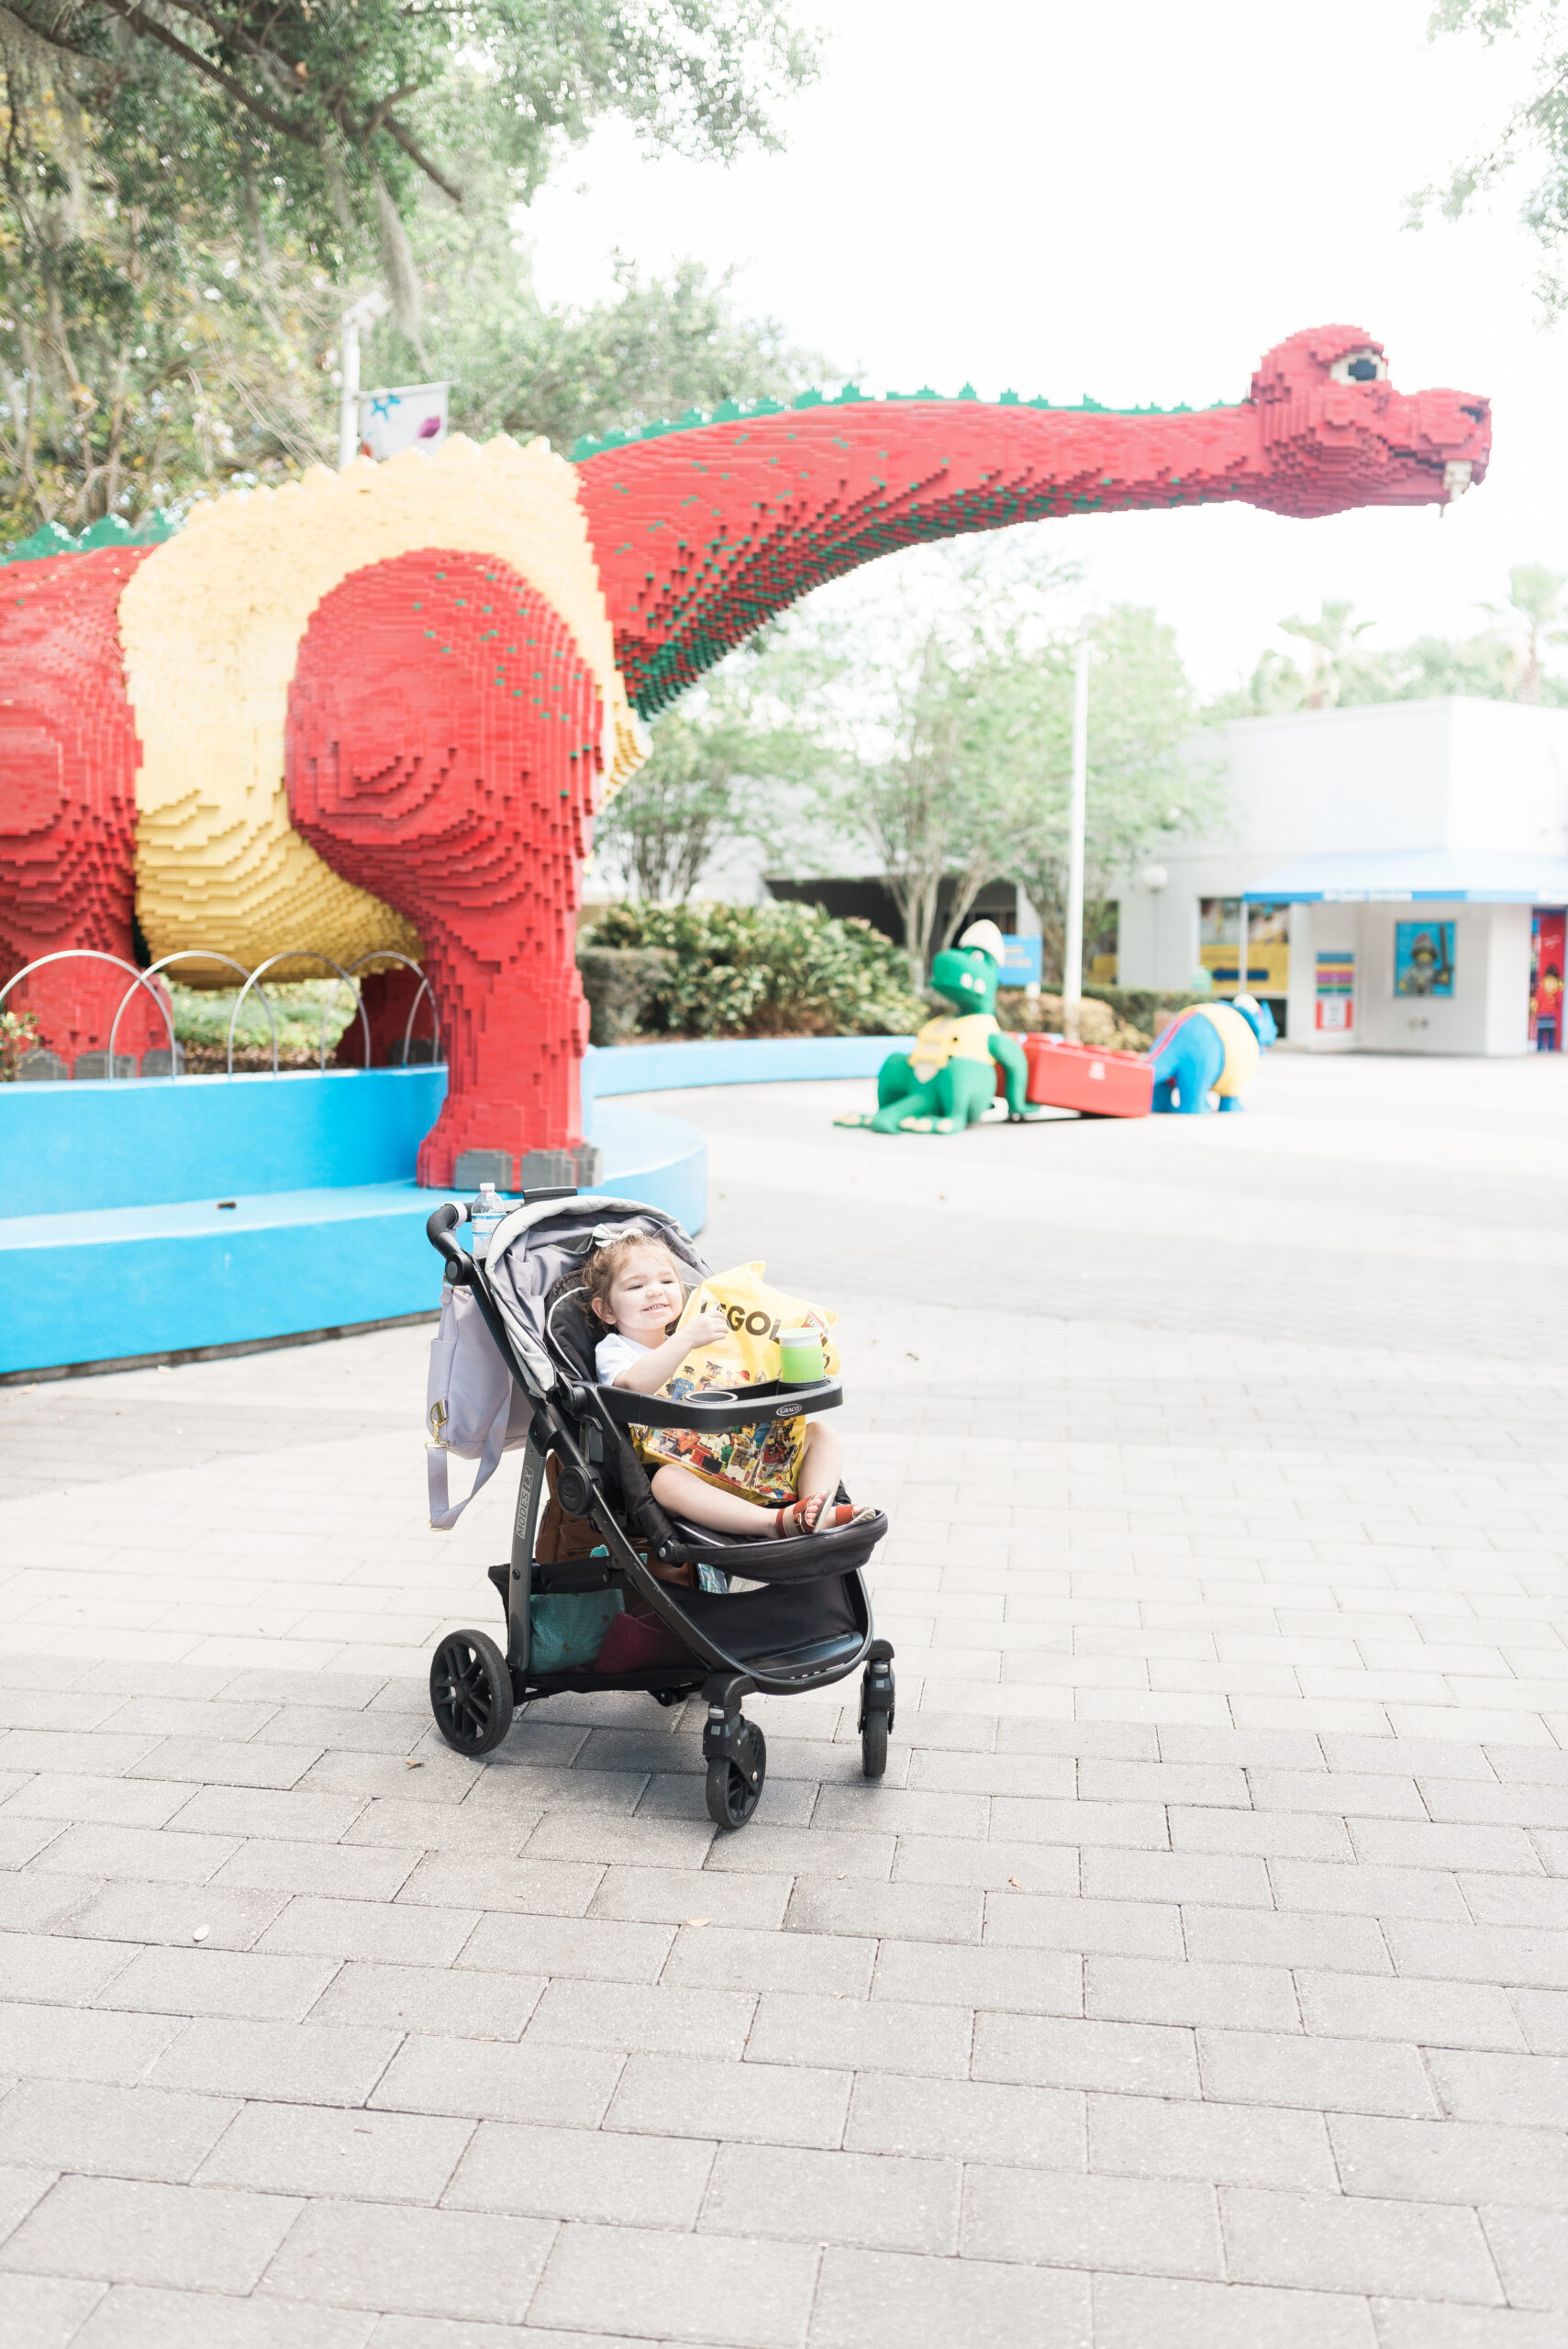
x=540, y=1169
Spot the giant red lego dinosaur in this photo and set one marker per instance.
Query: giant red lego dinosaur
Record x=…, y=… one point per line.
x=381, y=709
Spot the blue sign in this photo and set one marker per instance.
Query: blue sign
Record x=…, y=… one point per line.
x=1021, y=964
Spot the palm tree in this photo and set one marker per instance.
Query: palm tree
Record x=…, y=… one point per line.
x=1535, y=596
x=1332, y=639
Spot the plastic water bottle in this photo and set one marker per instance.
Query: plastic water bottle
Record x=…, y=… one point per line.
x=484, y=1214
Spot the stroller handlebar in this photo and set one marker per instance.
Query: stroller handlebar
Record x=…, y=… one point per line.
x=438, y=1229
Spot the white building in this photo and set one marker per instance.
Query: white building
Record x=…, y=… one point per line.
x=1406, y=866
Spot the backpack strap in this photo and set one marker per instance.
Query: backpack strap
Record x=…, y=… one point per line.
x=445, y=1512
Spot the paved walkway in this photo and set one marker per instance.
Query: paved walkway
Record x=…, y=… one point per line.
x=1198, y=1980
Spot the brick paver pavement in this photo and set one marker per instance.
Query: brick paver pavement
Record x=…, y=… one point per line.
x=1199, y=1975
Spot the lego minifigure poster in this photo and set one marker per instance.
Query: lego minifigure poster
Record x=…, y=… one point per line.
x=1423, y=958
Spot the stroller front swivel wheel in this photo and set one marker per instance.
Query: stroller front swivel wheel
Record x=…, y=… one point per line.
x=471, y=1692
x=735, y=1786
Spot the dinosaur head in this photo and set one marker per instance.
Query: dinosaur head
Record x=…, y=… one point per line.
x=1259, y=1018
x=1337, y=434
x=965, y=975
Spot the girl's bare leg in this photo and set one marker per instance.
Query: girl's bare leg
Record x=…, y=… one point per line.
x=685, y=1495
x=822, y=1461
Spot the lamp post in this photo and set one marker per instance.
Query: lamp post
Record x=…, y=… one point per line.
x=365, y=313
x=1072, y=944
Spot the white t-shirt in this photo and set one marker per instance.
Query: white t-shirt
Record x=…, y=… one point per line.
x=614, y=1353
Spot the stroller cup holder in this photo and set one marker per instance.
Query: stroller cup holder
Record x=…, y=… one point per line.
x=802, y=1625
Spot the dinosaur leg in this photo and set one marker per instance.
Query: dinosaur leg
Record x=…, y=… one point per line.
x=389, y=996
x=964, y=1091
x=1186, y=1067
x=896, y=1093
x=460, y=792
x=67, y=762
x=916, y=1102
x=894, y=1084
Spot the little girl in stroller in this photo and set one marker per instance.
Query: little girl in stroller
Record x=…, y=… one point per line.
x=594, y=1541
x=634, y=1287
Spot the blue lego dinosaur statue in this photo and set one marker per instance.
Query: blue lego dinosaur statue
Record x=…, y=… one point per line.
x=1211, y=1048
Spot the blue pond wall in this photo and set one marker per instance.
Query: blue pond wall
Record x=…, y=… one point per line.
x=113, y=1245
x=144, y=1144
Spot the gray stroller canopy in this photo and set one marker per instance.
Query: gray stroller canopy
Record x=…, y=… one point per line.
x=534, y=1246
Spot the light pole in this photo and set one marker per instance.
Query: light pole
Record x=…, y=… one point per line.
x=365, y=313
x=1072, y=944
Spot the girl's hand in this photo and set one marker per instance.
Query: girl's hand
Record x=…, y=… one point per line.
x=703, y=1329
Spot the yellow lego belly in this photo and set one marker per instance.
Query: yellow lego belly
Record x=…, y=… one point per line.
x=960, y=1039
x=1242, y=1050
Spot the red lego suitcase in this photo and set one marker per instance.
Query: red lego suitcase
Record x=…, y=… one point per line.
x=1076, y=1076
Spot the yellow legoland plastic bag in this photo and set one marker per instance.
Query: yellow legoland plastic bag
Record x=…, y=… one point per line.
x=761, y=1461
x=756, y=1314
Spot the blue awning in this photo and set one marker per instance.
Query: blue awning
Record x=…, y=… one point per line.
x=1408, y=876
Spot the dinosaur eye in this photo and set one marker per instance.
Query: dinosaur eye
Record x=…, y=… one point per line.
x=1359, y=367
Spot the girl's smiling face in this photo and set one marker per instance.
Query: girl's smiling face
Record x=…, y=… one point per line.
x=644, y=1296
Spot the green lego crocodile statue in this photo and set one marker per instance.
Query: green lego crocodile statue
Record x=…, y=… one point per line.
x=948, y=1080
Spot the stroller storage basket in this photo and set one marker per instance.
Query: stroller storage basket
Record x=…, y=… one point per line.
x=586, y=1503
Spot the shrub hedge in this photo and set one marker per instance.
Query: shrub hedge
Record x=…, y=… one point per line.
x=760, y=970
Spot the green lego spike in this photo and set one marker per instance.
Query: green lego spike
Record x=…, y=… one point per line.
x=112, y=531
x=47, y=540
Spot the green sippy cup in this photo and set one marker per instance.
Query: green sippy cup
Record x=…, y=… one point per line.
x=800, y=1357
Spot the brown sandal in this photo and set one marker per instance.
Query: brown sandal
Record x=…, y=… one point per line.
x=813, y=1515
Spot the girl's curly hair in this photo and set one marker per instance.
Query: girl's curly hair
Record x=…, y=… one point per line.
x=600, y=1269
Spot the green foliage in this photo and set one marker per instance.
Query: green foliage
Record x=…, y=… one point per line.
x=18, y=1037
x=188, y=196
x=1504, y=662
x=617, y=982
x=304, y=1012
x=1535, y=130
x=947, y=755
x=766, y=970
x=661, y=346
x=1100, y=1023
x=725, y=763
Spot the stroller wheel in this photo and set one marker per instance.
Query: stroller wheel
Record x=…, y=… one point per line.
x=733, y=1790
x=878, y=1696
x=471, y=1692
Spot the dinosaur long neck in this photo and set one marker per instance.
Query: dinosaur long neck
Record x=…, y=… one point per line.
x=704, y=535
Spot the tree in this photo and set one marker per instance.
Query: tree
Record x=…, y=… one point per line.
x=1494, y=664
x=973, y=784
x=186, y=194
x=911, y=803
x=1332, y=642
x=727, y=762
x=1147, y=781
x=1535, y=596
x=1537, y=128
x=661, y=346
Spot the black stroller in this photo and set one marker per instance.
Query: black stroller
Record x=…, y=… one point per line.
x=586, y=1522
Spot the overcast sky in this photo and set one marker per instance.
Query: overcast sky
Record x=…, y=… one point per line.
x=1136, y=201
